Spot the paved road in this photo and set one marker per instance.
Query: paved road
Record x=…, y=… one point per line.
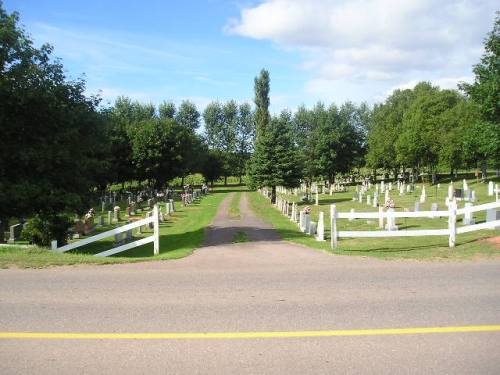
x=264, y=285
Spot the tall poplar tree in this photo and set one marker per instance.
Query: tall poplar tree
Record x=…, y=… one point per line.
x=262, y=88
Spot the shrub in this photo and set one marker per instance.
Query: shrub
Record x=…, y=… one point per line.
x=41, y=230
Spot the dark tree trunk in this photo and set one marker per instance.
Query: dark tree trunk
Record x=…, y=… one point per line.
x=225, y=180
x=3, y=229
x=273, y=195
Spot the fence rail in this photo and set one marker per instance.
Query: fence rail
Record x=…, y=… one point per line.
x=451, y=231
x=155, y=237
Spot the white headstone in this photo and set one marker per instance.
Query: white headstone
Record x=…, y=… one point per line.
x=422, y=196
x=468, y=219
x=375, y=200
x=321, y=227
x=368, y=199
x=490, y=189
x=302, y=222
x=417, y=206
x=352, y=213
x=391, y=220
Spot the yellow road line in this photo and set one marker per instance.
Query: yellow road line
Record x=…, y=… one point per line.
x=246, y=335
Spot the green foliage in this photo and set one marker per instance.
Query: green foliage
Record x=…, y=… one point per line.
x=187, y=116
x=262, y=101
x=41, y=230
x=212, y=166
x=330, y=141
x=275, y=161
x=52, y=137
x=486, y=87
x=161, y=149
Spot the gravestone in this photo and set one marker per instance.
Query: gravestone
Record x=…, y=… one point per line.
x=100, y=223
x=150, y=214
x=434, y=207
x=472, y=196
x=312, y=228
x=391, y=221
x=307, y=222
x=375, y=200
x=15, y=232
x=110, y=216
x=423, y=195
x=128, y=210
x=172, y=206
x=490, y=189
x=468, y=219
x=417, y=206
x=369, y=200
x=351, y=218
x=321, y=227
x=302, y=221
x=493, y=214
x=89, y=226
x=116, y=211
x=79, y=228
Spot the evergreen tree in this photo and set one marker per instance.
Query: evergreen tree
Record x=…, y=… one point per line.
x=275, y=161
x=262, y=88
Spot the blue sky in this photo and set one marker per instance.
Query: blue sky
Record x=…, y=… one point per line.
x=325, y=50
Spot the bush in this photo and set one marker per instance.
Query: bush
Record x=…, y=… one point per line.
x=42, y=230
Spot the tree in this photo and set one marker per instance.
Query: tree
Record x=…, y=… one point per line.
x=188, y=116
x=485, y=91
x=162, y=149
x=212, y=166
x=275, y=161
x=262, y=88
x=52, y=135
x=245, y=138
x=213, y=116
x=166, y=110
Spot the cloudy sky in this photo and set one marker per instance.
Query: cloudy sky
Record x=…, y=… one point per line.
x=328, y=50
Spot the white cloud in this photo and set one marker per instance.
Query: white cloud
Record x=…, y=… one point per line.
x=377, y=43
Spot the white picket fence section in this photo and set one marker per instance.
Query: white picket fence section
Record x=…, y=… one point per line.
x=451, y=231
x=155, y=237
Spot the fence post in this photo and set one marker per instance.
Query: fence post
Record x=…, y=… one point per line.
x=452, y=222
x=333, y=226
x=156, y=227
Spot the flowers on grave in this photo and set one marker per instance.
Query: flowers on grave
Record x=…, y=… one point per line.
x=389, y=203
x=307, y=210
x=116, y=209
x=90, y=214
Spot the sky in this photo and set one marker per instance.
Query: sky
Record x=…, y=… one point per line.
x=314, y=50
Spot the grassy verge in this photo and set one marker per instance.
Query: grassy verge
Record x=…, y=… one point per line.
x=234, y=208
x=179, y=236
x=468, y=245
x=241, y=237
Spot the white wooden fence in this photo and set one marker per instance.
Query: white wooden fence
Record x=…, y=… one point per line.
x=155, y=238
x=451, y=231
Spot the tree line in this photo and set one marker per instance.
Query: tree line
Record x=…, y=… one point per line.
x=59, y=148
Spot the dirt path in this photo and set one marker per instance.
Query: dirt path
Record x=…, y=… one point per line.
x=224, y=228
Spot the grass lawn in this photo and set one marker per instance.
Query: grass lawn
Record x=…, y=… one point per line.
x=468, y=245
x=234, y=208
x=179, y=236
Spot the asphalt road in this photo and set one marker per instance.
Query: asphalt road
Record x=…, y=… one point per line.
x=262, y=286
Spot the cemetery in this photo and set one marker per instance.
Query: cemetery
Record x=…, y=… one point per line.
x=420, y=220
x=131, y=179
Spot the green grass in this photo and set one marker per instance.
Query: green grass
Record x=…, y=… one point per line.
x=234, y=208
x=431, y=247
x=179, y=236
x=241, y=237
